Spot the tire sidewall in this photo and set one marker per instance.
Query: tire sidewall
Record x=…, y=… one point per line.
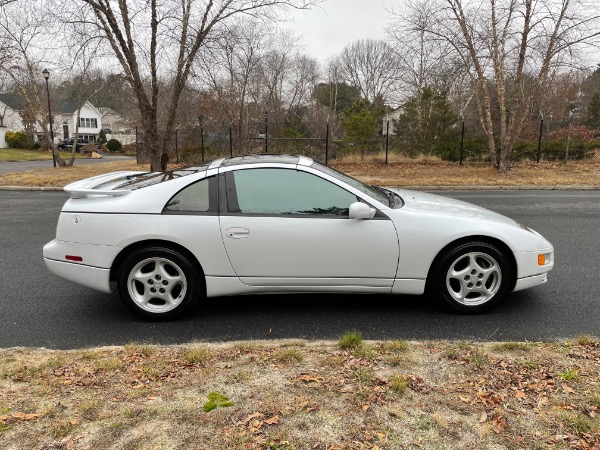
x=438, y=281
x=192, y=276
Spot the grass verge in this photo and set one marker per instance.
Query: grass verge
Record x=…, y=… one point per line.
x=18, y=154
x=304, y=395
x=404, y=174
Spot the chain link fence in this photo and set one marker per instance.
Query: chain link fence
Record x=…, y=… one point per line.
x=544, y=141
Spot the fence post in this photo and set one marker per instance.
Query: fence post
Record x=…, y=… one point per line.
x=387, y=140
x=230, y=142
x=202, y=141
x=266, y=132
x=176, y=148
x=137, y=147
x=327, y=143
x=540, y=139
x=462, y=142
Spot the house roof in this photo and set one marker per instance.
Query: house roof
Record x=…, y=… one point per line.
x=16, y=103
x=66, y=106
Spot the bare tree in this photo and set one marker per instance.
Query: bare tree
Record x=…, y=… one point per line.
x=80, y=54
x=228, y=66
x=22, y=30
x=512, y=49
x=425, y=64
x=286, y=76
x=369, y=64
x=152, y=37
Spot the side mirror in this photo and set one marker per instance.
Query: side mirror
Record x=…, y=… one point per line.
x=360, y=210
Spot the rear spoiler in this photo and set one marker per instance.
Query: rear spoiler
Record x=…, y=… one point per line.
x=87, y=187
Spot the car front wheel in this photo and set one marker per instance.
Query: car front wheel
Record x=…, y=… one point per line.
x=158, y=283
x=471, y=277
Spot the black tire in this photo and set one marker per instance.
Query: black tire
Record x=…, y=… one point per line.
x=470, y=277
x=159, y=283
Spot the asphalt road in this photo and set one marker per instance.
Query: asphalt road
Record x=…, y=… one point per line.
x=39, y=310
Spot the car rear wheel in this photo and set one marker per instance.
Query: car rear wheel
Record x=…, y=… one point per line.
x=471, y=277
x=158, y=283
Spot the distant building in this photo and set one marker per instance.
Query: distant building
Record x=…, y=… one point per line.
x=113, y=123
x=64, y=115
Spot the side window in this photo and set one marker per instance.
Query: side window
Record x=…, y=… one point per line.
x=286, y=192
x=199, y=197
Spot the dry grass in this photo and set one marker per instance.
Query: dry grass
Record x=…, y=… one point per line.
x=285, y=395
x=61, y=176
x=403, y=174
x=445, y=174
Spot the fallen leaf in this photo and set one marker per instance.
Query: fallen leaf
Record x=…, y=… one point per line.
x=272, y=421
x=24, y=416
x=252, y=416
x=499, y=424
x=365, y=407
x=519, y=394
x=308, y=378
x=567, y=389
x=255, y=425
x=483, y=417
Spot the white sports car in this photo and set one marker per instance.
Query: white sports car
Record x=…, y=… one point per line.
x=281, y=223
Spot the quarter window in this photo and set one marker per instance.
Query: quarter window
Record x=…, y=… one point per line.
x=195, y=198
x=285, y=192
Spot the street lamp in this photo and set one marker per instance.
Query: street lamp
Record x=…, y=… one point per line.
x=46, y=74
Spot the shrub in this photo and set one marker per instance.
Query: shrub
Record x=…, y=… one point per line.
x=102, y=137
x=113, y=145
x=555, y=150
x=18, y=139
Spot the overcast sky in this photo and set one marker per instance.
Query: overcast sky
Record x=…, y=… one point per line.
x=328, y=28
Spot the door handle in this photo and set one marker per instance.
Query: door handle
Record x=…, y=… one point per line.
x=237, y=233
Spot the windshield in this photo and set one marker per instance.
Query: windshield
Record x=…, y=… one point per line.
x=375, y=192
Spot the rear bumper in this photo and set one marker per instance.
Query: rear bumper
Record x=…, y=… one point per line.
x=92, y=277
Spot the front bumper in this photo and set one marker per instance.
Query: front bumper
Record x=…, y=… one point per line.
x=525, y=283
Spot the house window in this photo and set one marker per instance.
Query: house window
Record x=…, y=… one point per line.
x=86, y=122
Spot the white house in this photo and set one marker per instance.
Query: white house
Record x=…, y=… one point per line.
x=64, y=116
